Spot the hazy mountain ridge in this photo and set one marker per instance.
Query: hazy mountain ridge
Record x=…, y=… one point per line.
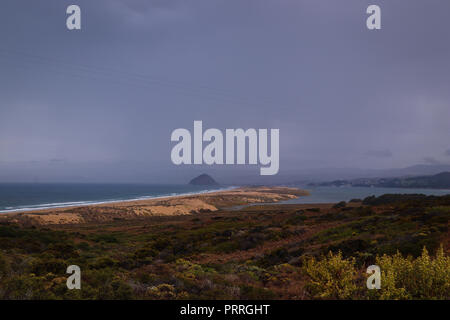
x=437, y=181
x=305, y=176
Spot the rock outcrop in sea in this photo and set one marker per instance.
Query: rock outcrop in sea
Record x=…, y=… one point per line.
x=203, y=180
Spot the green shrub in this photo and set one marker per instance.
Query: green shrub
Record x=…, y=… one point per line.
x=340, y=205
x=422, y=278
x=331, y=277
x=44, y=266
x=256, y=293
x=425, y=277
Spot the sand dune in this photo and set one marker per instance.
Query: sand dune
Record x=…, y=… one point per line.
x=179, y=205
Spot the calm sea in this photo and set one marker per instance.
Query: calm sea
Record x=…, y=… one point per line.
x=336, y=194
x=18, y=197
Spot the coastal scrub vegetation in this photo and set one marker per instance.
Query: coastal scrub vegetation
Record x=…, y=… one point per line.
x=285, y=251
x=424, y=277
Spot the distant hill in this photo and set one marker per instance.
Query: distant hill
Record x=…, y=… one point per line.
x=440, y=180
x=203, y=180
x=437, y=181
x=302, y=175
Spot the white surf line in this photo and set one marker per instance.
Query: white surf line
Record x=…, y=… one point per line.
x=85, y=204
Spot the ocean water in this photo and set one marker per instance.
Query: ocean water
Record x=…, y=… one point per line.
x=336, y=194
x=23, y=197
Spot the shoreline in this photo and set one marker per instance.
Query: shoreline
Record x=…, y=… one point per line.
x=208, y=201
x=76, y=204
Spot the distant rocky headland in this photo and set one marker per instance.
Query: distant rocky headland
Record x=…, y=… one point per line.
x=438, y=181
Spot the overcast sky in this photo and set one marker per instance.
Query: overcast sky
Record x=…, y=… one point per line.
x=100, y=104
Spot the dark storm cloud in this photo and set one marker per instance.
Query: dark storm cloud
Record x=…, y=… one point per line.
x=447, y=152
x=106, y=98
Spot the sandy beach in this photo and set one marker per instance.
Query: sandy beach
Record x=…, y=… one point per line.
x=167, y=206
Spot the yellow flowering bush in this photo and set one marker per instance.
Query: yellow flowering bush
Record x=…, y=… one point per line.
x=425, y=277
x=331, y=277
x=422, y=278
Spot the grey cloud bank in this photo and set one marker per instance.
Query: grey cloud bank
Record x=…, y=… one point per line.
x=104, y=100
